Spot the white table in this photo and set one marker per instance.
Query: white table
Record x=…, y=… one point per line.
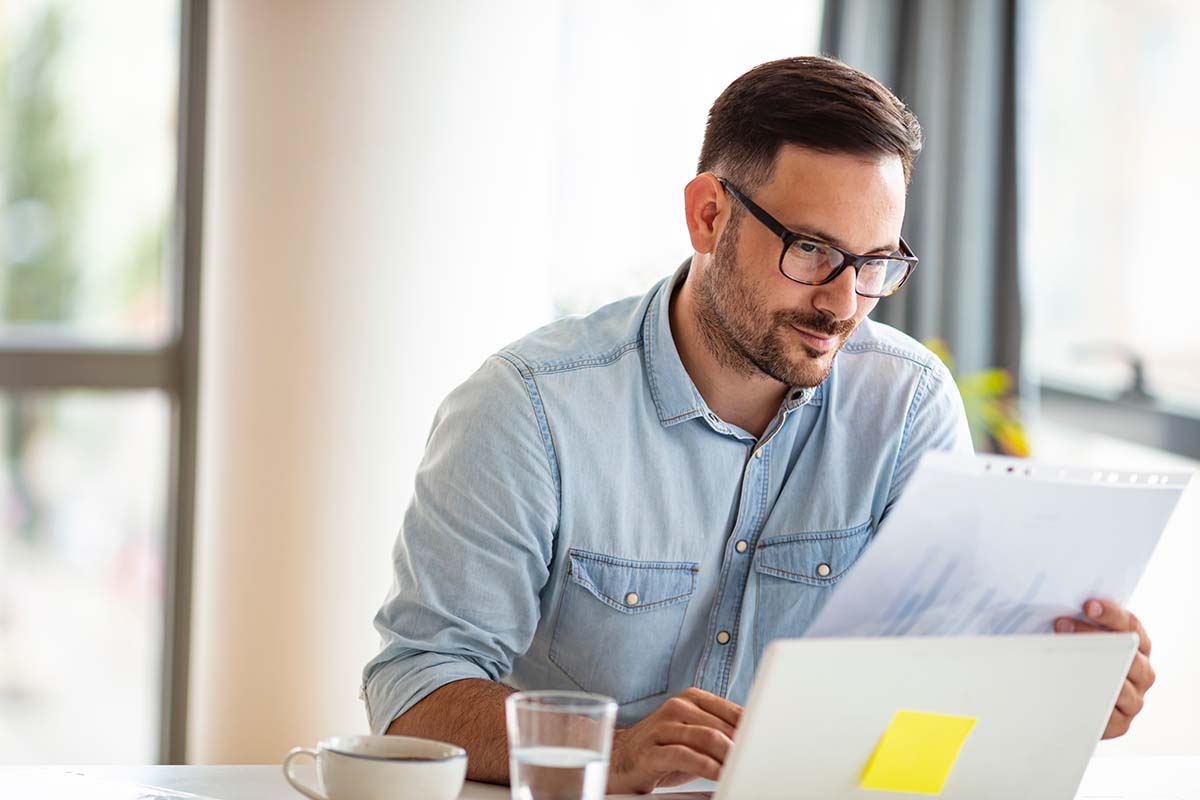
x=1150, y=778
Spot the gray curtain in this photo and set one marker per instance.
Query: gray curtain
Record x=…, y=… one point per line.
x=953, y=62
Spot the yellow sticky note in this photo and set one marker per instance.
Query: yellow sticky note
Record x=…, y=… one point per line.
x=916, y=752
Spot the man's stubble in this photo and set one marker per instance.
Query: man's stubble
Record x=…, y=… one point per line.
x=728, y=312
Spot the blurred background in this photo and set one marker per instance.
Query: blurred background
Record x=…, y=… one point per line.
x=247, y=247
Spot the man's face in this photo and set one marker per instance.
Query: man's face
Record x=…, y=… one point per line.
x=756, y=320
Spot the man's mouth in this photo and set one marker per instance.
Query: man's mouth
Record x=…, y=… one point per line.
x=816, y=341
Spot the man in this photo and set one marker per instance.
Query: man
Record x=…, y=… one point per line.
x=635, y=502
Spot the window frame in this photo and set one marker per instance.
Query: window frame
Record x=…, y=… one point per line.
x=39, y=364
x=1149, y=422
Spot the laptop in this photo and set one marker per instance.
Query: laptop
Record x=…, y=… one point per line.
x=1022, y=715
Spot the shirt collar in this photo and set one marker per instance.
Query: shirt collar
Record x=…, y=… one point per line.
x=676, y=397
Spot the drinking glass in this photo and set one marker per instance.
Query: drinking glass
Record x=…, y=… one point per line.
x=558, y=744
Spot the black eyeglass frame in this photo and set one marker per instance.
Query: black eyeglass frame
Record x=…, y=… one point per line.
x=790, y=237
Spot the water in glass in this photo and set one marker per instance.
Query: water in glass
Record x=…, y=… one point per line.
x=557, y=773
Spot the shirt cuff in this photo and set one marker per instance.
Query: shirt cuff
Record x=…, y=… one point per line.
x=398, y=685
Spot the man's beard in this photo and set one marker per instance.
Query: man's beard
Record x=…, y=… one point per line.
x=730, y=318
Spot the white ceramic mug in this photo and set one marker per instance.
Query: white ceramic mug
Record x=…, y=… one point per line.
x=382, y=768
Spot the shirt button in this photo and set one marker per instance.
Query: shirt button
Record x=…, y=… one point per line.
x=758, y=453
x=823, y=570
x=741, y=546
x=631, y=599
x=723, y=637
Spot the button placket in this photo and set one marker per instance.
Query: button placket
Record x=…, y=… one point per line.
x=713, y=671
x=758, y=486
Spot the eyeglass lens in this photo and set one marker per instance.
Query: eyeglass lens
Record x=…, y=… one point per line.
x=812, y=262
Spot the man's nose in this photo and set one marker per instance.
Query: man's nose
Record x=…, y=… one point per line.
x=838, y=298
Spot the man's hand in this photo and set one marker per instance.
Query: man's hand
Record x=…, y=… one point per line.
x=687, y=737
x=1108, y=616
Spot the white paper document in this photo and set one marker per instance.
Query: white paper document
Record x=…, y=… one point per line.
x=991, y=545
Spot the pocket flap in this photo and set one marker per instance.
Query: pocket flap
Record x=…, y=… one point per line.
x=817, y=558
x=632, y=586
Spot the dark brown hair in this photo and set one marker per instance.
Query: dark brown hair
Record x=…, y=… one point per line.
x=810, y=101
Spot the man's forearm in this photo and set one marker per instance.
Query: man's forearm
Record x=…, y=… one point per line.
x=470, y=714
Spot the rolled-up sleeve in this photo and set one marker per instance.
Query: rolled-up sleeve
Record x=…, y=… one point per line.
x=473, y=551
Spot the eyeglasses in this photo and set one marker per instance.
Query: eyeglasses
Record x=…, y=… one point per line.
x=815, y=263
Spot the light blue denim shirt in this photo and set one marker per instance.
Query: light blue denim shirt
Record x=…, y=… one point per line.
x=582, y=520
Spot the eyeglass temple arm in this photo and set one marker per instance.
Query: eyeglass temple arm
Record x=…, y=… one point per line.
x=759, y=214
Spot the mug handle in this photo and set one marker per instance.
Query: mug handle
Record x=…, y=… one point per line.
x=298, y=785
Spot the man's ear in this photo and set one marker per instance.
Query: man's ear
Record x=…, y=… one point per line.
x=707, y=207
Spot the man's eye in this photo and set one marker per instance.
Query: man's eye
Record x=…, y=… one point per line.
x=808, y=247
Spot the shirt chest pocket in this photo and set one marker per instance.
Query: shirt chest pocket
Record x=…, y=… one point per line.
x=796, y=573
x=618, y=622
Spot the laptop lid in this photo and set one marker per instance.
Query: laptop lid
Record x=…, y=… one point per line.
x=819, y=710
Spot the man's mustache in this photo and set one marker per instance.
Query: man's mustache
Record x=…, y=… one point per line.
x=815, y=323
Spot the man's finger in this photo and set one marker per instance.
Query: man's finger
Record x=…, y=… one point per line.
x=708, y=741
x=1108, y=614
x=717, y=706
x=1141, y=674
x=1068, y=625
x=698, y=716
x=1117, y=725
x=681, y=758
x=1129, y=701
x=1143, y=637
x=1072, y=625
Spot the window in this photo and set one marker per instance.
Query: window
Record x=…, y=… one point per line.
x=1109, y=175
x=81, y=575
x=96, y=332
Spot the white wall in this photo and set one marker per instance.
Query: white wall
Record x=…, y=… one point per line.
x=365, y=174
